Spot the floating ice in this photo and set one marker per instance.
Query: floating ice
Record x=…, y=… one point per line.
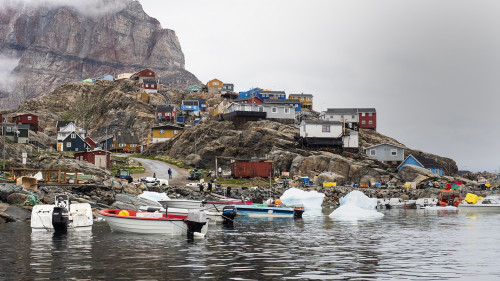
x=439, y=208
x=310, y=199
x=154, y=196
x=356, y=206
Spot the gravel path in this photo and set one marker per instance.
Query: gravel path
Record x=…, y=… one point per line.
x=179, y=175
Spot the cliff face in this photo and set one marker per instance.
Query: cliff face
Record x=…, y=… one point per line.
x=55, y=45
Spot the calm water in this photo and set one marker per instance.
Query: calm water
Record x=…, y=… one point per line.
x=404, y=245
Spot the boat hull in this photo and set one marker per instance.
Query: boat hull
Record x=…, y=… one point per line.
x=264, y=212
x=80, y=217
x=182, y=204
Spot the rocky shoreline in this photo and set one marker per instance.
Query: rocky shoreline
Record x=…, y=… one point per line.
x=17, y=201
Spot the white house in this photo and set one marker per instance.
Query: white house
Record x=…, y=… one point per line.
x=386, y=152
x=351, y=140
x=273, y=111
x=321, y=129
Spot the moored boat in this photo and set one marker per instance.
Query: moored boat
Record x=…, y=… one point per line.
x=139, y=222
x=269, y=211
x=487, y=204
x=61, y=216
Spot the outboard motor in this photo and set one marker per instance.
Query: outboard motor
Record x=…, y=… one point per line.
x=298, y=211
x=196, y=219
x=60, y=219
x=228, y=215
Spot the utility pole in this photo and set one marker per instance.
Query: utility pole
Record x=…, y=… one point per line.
x=3, y=133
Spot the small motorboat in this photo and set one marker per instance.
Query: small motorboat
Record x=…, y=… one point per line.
x=426, y=202
x=194, y=224
x=61, y=216
x=276, y=210
x=489, y=204
x=398, y=203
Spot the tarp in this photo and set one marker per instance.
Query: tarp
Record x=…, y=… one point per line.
x=472, y=198
x=329, y=184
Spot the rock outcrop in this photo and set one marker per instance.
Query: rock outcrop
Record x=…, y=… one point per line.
x=55, y=44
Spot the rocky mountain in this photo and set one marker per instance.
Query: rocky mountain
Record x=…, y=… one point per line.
x=50, y=44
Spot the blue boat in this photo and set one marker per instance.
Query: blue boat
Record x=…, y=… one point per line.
x=269, y=211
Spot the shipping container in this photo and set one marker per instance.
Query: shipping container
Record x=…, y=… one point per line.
x=251, y=168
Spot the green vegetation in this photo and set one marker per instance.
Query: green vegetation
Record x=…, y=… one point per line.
x=242, y=182
x=124, y=163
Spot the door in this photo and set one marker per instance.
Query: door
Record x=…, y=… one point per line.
x=100, y=161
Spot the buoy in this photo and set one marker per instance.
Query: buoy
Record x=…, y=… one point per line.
x=198, y=235
x=124, y=213
x=277, y=202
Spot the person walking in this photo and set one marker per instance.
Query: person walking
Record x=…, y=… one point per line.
x=228, y=191
x=169, y=173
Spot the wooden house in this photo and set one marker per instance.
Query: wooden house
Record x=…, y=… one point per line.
x=294, y=103
x=64, y=129
x=16, y=133
x=249, y=100
x=202, y=104
x=268, y=94
x=194, y=89
x=221, y=109
x=124, y=142
x=386, y=152
x=214, y=86
x=191, y=107
x=123, y=76
x=367, y=118
x=321, y=133
x=91, y=142
x=282, y=113
x=165, y=132
x=104, y=142
x=149, y=86
x=73, y=142
x=228, y=87
x=250, y=93
x=27, y=119
x=61, y=124
x=147, y=74
x=423, y=162
x=98, y=157
x=305, y=99
x=250, y=168
x=166, y=112
x=142, y=95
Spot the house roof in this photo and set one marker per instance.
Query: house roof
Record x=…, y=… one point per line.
x=301, y=95
x=167, y=127
x=103, y=138
x=227, y=84
x=386, y=143
x=424, y=161
x=367, y=110
x=78, y=135
x=246, y=99
x=201, y=101
x=272, y=92
x=285, y=101
x=165, y=108
x=190, y=102
x=61, y=124
x=321, y=122
x=149, y=81
x=349, y=110
x=126, y=137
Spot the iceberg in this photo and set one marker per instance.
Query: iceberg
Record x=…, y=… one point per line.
x=153, y=196
x=356, y=206
x=309, y=199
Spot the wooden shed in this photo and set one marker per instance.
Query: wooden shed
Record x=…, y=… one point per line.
x=249, y=168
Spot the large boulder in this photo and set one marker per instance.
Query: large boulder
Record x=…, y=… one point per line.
x=16, y=198
x=6, y=189
x=412, y=173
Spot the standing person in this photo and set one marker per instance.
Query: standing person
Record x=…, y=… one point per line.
x=154, y=175
x=228, y=191
x=209, y=186
x=220, y=171
x=169, y=173
x=201, y=187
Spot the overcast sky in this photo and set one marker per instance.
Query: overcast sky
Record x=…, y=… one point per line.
x=430, y=68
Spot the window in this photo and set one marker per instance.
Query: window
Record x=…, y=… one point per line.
x=261, y=109
x=167, y=114
x=331, y=116
x=394, y=152
x=373, y=152
x=287, y=110
x=68, y=144
x=362, y=114
x=159, y=114
x=29, y=117
x=274, y=110
x=9, y=129
x=161, y=132
x=76, y=148
x=308, y=98
x=363, y=122
x=73, y=136
x=176, y=132
x=215, y=83
x=133, y=145
x=370, y=122
x=122, y=145
x=342, y=116
x=353, y=117
x=370, y=114
x=326, y=128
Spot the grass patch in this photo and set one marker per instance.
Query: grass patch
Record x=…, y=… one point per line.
x=134, y=167
x=243, y=182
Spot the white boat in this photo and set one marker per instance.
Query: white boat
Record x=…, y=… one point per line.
x=269, y=211
x=214, y=209
x=426, y=202
x=182, y=204
x=488, y=204
x=398, y=203
x=61, y=216
x=139, y=222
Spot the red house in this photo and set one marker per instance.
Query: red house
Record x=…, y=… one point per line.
x=98, y=157
x=166, y=112
x=29, y=119
x=249, y=100
x=91, y=142
x=149, y=85
x=367, y=118
x=147, y=74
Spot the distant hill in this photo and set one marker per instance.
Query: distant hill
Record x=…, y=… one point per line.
x=56, y=44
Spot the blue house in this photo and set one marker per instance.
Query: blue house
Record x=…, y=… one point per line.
x=265, y=94
x=202, y=104
x=191, y=107
x=74, y=142
x=423, y=162
x=249, y=93
x=105, y=142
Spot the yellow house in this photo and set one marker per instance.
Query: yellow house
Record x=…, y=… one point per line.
x=124, y=142
x=221, y=108
x=305, y=99
x=214, y=85
x=142, y=96
x=165, y=132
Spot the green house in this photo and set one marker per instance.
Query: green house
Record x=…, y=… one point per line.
x=194, y=89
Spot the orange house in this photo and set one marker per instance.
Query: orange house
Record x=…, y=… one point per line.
x=142, y=96
x=214, y=86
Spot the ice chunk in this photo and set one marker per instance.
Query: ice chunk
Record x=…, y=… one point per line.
x=154, y=196
x=356, y=206
x=310, y=199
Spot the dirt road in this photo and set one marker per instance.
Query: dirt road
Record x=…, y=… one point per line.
x=179, y=175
